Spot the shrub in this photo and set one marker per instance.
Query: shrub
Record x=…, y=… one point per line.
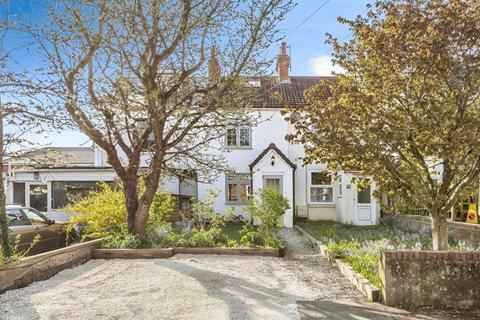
x=207, y=225
x=15, y=253
x=266, y=209
x=102, y=214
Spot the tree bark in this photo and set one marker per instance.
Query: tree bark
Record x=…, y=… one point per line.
x=439, y=232
x=130, y=188
x=3, y=213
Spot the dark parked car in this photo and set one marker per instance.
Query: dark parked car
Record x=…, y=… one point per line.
x=28, y=222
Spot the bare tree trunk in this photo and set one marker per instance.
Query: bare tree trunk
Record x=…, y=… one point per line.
x=439, y=231
x=3, y=214
x=130, y=188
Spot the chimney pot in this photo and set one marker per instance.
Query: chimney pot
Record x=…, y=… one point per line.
x=283, y=63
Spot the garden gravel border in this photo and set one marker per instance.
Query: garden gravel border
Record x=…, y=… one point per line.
x=360, y=282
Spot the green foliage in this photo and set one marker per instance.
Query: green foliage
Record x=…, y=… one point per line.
x=360, y=246
x=17, y=254
x=163, y=206
x=207, y=225
x=102, y=214
x=406, y=106
x=266, y=208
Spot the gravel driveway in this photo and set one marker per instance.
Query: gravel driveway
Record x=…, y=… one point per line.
x=184, y=287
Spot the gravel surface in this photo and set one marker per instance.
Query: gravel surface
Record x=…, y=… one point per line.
x=184, y=287
x=197, y=287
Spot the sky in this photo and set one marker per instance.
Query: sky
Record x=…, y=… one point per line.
x=309, y=53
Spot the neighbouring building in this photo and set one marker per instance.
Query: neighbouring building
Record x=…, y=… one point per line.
x=259, y=155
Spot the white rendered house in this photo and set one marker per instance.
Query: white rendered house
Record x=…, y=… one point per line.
x=259, y=155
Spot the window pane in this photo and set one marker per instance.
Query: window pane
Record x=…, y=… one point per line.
x=244, y=188
x=321, y=178
x=34, y=217
x=19, y=193
x=238, y=188
x=65, y=192
x=273, y=183
x=232, y=192
x=38, y=197
x=364, y=195
x=244, y=137
x=231, y=137
x=321, y=194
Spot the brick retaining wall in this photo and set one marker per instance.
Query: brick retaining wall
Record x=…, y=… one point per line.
x=430, y=278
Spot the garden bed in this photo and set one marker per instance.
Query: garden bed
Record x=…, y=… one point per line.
x=42, y=266
x=360, y=282
x=360, y=246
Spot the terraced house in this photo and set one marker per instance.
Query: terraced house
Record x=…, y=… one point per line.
x=259, y=155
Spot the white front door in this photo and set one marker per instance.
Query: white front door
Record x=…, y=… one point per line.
x=363, y=207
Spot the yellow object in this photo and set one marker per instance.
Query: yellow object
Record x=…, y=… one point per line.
x=472, y=216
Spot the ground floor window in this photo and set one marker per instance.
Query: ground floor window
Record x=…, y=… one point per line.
x=237, y=188
x=320, y=187
x=63, y=192
x=19, y=193
x=38, y=196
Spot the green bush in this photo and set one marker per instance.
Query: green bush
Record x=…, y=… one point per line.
x=102, y=214
x=17, y=254
x=266, y=209
x=207, y=226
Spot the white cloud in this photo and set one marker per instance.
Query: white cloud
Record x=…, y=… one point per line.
x=323, y=66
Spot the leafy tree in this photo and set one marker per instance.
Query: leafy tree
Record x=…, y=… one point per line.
x=133, y=77
x=407, y=107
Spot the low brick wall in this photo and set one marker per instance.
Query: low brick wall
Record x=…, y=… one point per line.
x=430, y=278
x=458, y=231
x=42, y=266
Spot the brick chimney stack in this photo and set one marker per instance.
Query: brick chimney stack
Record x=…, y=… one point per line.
x=213, y=66
x=283, y=63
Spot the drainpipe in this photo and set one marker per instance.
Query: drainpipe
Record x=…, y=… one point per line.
x=294, y=207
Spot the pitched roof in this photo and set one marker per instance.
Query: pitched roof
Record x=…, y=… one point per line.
x=292, y=92
x=273, y=147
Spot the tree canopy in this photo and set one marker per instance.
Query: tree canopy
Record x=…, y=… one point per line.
x=406, y=109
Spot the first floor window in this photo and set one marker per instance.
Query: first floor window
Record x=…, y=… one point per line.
x=238, y=137
x=320, y=187
x=238, y=188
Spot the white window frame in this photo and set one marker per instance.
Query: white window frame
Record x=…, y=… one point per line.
x=310, y=185
x=237, y=137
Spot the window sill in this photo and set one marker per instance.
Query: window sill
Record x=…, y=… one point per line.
x=236, y=204
x=238, y=148
x=321, y=205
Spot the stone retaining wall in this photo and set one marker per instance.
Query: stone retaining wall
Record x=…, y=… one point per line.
x=458, y=231
x=42, y=266
x=430, y=278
